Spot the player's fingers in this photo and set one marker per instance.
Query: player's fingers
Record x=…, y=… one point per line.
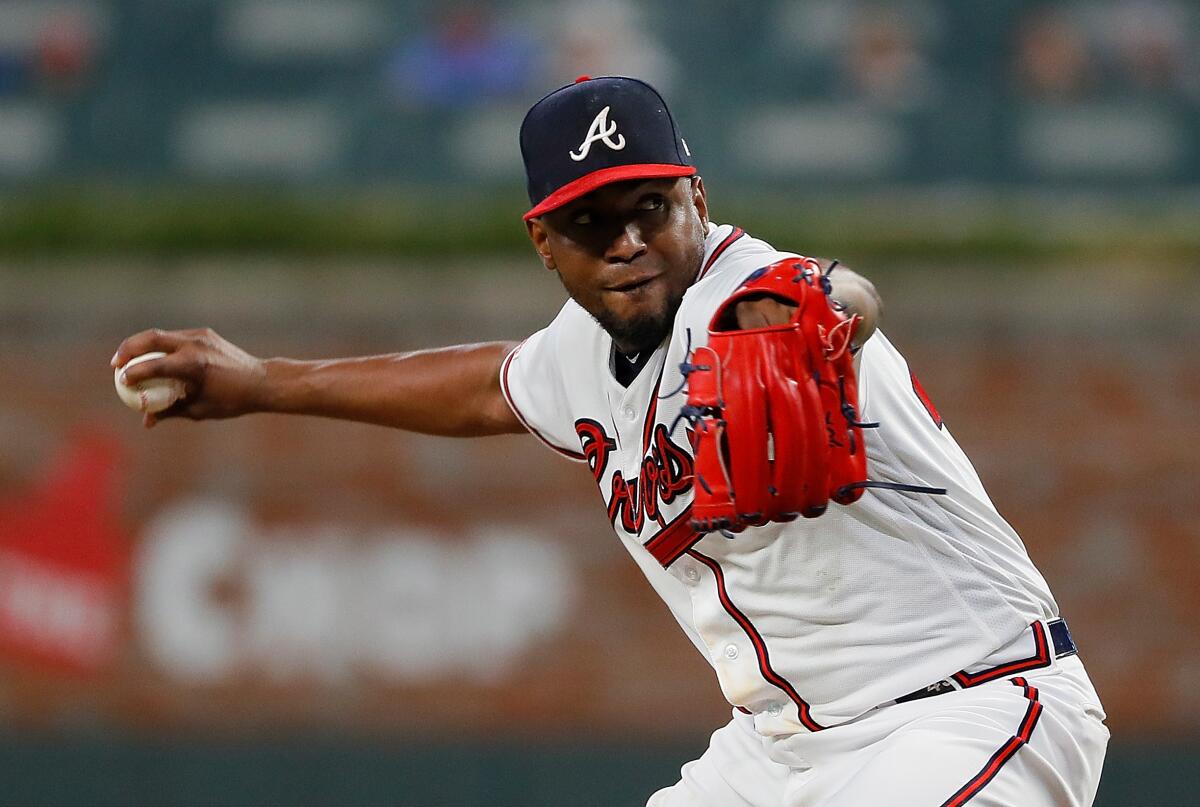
x=760, y=317
x=185, y=363
x=146, y=342
x=749, y=317
x=763, y=313
x=776, y=312
x=179, y=409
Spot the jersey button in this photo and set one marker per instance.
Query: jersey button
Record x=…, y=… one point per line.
x=731, y=651
x=775, y=709
x=629, y=412
x=692, y=574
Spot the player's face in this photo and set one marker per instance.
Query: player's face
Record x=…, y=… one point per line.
x=627, y=252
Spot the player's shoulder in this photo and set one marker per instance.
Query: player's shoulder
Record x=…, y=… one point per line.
x=730, y=255
x=572, y=318
x=571, y=330
x=727, y=246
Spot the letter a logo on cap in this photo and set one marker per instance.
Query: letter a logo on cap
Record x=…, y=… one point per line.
x=600, y=130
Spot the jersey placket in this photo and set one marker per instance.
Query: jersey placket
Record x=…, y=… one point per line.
x=632, y=411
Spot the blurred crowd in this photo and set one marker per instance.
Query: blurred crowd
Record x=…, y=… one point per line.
x=46, y=49
x=361, y=85
x=467, y=52
x=892, y=53
x=474, y=51
x=886, y=53
x=1101, y=50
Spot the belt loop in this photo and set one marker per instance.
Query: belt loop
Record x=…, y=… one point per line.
x=1060, y=638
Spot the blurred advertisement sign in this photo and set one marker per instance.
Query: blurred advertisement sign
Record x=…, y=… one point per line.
x=219, y=596
x=63, y=566
x=279, y=576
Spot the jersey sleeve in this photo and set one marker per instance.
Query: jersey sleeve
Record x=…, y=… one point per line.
x=533, y=386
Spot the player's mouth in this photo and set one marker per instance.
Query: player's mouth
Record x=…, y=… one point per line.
x=633, y=284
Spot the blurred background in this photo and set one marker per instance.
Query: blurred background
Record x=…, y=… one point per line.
x=288, y=611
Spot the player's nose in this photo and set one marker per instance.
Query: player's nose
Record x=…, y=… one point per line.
x=627, y=244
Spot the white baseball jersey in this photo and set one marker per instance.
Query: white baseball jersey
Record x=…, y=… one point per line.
x=812, y=623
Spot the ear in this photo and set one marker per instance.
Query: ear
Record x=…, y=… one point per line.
x=541, y=241
x=700, y=199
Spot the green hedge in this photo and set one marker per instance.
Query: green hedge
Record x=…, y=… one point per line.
x=422, y=222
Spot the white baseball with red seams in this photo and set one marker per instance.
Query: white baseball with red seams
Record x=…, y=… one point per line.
x=814, y=627
x=151, y=395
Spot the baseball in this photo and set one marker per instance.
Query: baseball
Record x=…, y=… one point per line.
x=151, y=395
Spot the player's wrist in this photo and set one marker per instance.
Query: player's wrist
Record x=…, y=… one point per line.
x=275, y=390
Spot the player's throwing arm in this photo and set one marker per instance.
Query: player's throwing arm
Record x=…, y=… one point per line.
x=452, y=391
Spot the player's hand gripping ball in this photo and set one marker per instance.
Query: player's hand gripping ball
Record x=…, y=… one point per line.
x=151, y=395
x=775, y=429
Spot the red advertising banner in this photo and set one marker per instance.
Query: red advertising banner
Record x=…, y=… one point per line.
x=64, y=565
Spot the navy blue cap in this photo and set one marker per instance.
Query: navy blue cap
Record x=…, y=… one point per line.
x=596, y=131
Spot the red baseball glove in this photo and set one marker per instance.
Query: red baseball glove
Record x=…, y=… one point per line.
x=775, y=429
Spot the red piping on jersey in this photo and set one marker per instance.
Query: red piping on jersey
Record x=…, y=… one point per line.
x=669, y=543
x=760, y=646
x=925, y=400
x=1040, y=658
x=513, y=406
x=1005, y=752
x=737, y=233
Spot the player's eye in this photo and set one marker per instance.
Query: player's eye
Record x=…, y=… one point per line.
x=653, y=201
x=582, y=218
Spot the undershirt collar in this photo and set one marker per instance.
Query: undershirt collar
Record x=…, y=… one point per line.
x=626, y=368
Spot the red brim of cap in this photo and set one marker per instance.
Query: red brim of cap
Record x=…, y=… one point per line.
x=605, y=176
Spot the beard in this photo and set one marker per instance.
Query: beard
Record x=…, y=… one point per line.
x=643, y=331
x=638, y=333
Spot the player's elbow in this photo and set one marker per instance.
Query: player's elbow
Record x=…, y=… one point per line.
x=870, y=309
x=860, y=297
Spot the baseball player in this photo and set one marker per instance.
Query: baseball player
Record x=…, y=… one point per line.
x=877, y=627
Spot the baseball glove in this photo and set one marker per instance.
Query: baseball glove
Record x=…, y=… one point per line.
x=775, y=431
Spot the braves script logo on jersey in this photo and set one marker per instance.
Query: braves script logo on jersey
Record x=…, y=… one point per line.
x=600, y=130
x=665, y=475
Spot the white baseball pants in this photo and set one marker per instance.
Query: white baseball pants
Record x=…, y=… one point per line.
x=1036, y=740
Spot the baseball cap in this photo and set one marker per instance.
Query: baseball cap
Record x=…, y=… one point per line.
x=596, y=131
